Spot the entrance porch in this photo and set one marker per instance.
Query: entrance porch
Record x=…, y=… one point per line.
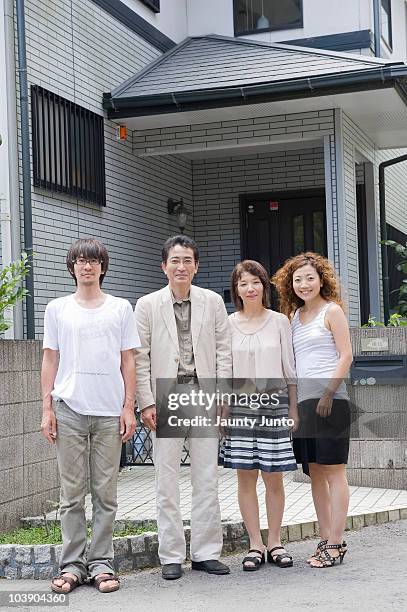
x=282, y=145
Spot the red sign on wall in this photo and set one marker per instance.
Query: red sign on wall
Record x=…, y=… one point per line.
x=273, y=205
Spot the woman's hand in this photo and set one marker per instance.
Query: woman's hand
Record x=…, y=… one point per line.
x=294, y=416
x=324, y=406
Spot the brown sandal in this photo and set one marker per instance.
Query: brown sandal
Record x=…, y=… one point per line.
x=62, y=576
x=97, y=580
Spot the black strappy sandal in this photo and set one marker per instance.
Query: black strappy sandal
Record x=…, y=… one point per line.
x=278, y=559
x=328, y=560
x=257, y=561
x=320, y=546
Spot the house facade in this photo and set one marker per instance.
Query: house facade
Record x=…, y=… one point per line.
x=267, y=119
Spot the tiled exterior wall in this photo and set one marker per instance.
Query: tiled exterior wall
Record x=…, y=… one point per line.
x=77, y=50
x=396, y=189
x=217, y=186
x=396, y=199
x=235, y=133
x=353, y=139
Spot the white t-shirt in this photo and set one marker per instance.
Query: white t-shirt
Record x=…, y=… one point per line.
x=89, y=341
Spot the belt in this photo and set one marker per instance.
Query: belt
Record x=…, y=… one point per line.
x=190, y=378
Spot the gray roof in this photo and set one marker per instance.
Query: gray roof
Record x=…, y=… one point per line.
x=210, y=64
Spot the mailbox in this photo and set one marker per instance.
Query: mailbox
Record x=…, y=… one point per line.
x=379, y=370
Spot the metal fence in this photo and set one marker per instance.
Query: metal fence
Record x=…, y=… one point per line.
x=139, y=449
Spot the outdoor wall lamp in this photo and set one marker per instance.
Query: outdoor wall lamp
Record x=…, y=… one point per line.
x=177, y=207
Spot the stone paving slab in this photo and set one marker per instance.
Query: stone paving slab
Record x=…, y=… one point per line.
x=136, y=497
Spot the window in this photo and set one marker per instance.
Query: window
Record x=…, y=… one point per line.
x=385, y=18
x=154, y=5
x=396, y=277
x=68, y=147
x=266, y=15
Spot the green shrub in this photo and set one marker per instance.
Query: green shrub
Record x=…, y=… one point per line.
x=11, y=290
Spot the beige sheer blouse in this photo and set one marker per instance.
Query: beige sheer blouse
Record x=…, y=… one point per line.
x=266, y=353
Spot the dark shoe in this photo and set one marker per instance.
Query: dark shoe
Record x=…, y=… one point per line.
x=320, y=546
x=254, y=560
x=171, y=571
x=211, y=567
x=282, y=560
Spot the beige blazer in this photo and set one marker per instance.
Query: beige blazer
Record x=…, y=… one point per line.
x=158, y=356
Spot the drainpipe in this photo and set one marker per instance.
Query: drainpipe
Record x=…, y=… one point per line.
x=9, y=196
x=383, y=230
x=377, y=27
x=25, y=160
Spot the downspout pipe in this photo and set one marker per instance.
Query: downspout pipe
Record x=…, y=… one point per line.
x=25, y=160
x=377, y=27
x=383, y=231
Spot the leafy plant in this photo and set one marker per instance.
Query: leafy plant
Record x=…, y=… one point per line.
x=396, y=320
x=401, y=267
x=11, y=290
x=371, y=322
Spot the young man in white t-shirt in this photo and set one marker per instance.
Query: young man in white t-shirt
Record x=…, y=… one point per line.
x=89, y=371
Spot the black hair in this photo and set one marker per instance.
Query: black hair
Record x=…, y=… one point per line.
x=256, y=269
x=182, y=240
x=90, y=248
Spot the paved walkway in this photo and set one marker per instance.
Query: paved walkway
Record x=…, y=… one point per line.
x=137, y=497
x=371, y=578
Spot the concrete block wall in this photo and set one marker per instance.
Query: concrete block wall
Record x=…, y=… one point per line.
x=28, y=468
x=378, y=446
x=79, y=51
x=378, y=457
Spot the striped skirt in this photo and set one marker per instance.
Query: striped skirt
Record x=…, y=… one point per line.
x=258, y=439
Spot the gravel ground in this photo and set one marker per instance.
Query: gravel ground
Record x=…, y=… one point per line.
x=372, y=577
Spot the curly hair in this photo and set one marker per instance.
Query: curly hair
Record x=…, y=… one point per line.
x=283, y=281
x=256, y=269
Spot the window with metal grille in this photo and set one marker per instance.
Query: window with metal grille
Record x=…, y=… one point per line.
x=153, y=4
x=266, y=15
x=68, y=147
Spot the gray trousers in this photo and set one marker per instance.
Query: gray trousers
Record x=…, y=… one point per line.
x=87, y=443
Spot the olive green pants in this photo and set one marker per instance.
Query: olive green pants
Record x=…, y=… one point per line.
x=87, y=445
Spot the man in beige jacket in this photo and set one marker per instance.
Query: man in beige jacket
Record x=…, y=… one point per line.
x=185, y=338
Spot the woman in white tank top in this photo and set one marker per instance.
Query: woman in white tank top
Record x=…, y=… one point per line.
x=309, y=295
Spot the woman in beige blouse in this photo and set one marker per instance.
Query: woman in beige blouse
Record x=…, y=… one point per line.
x=258, y=437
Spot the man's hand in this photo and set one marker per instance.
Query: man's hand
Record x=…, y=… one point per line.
x=49, y=425
x=127, y=423
x=149, y=417
x=324, y=406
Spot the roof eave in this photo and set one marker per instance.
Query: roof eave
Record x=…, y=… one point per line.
x=376, y=78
